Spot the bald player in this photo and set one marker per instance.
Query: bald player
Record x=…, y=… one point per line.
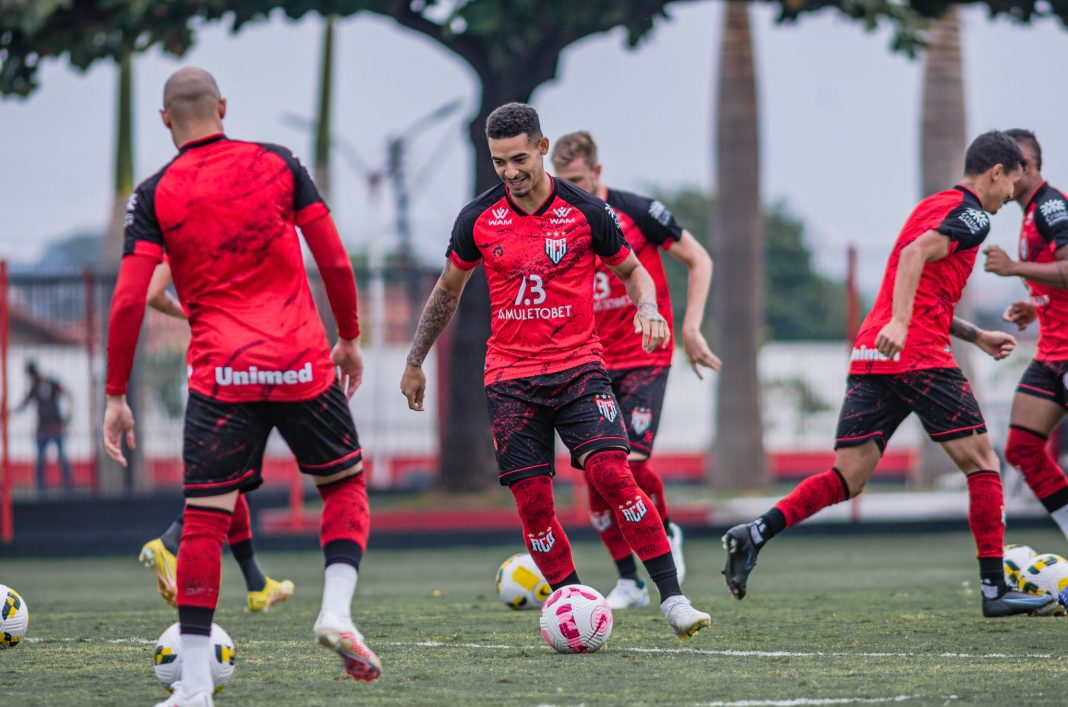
x=225, y=212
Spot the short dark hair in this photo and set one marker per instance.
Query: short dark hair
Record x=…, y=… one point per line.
x=570, y=147
x=1026, y=136
x=513, y=119
x=991, y=148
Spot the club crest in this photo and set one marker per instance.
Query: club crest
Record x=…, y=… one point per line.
x=640, y=419
x=556, y=248
x=606, y=404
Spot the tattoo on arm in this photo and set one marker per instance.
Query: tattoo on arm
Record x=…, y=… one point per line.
x=965, y=331
x=436, y=316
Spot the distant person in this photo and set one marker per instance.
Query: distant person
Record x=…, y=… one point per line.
x=225, y=212
x=639, y=377
x=1039, y=404
x=902, y=363
x=49, y=396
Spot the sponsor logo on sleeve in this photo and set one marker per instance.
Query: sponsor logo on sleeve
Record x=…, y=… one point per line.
x=974, y=219
x=131, y=206
x=660, y=212
x=1054, y=211
x=614, y=215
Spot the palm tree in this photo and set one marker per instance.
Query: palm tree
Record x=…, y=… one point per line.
x=738, y=245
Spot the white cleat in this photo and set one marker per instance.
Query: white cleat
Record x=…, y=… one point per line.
x=627, y=594
x=685, y=619
x=675, y=541
x=179, y=698
x=341, y=636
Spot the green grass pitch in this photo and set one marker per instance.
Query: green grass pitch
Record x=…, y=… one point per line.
x=856, y=620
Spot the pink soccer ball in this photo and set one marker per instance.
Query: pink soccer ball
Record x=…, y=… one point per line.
x=576, y=619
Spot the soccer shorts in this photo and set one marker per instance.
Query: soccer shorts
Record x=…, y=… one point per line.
x=578, y=403
x=1046, y=380
x=875, y=404
x=224, y=442
x=640, y=393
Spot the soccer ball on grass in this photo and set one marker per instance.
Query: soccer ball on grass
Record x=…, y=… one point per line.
x=14, y=617
x=1016, y=558
x=520, y=583
x=168, y=658
x=576, y=619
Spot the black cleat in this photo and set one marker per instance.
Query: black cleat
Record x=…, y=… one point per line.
x=1013, y=602
x=741, y=558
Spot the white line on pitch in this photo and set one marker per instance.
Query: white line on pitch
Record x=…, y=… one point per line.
x=802, y=701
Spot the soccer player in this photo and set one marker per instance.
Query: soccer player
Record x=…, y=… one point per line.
x=538, y=239
x=225, y=213
x=1040, y=400
x=158, y=555
x=902, y=362
x=639, y=377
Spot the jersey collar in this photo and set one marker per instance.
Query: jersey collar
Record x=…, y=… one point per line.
x=200, y=142
x=1034, y=194
x=966, y=190
x=541, y=209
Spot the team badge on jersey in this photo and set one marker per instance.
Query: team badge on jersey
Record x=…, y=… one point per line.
x=556, y=248
x=640, y=419
x=606, y=404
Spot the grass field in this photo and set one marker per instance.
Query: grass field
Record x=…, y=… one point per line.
x=860, y=620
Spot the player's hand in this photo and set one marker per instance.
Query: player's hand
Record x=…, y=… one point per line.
x=1020, y=313
x=891, y=338
x=997, y=344
x=118, y=420
x=346, y=356
x=998, y=261
x=413, y=386
x=652, y=326
x=698, y=353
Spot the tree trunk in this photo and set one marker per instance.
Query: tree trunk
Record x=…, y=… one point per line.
x=738, y=248
x=943, y=141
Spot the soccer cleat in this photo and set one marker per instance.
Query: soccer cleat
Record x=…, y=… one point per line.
x=628, y=593
x=1013, y=602
x=178, y=698
x=273, y=592
x=675, y=541
x=741, y=558
x=342, y=637
x=163, y=565
x=685, y=619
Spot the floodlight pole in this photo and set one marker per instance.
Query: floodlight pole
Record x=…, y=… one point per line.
x=7, y=521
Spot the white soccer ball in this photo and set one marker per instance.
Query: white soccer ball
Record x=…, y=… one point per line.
x=1015, y=559
x=520, y=583
x=1047, y=574
x=168, y=657
x=14, y=617
x=576, y=619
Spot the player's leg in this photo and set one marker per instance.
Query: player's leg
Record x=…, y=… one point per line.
x=159, y=556
x=1037, y=409
x=64, y=464
x=39, y=465
x=869, y=416
x=322, y=436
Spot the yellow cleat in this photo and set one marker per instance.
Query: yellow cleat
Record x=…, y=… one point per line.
x=272, y=592
x=163, y=565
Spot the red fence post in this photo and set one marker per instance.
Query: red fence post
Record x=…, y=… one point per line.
x=7, y=521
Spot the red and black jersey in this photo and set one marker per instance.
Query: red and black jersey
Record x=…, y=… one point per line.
x=224, y=211
x=1044, y=230
x=540, y=269
x=647, y=224
x=957, y=214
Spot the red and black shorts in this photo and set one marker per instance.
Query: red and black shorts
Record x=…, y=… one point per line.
x=1046, y=380
x=875, y=404
x=224, y=442
x=640, y=393
x=577, y=403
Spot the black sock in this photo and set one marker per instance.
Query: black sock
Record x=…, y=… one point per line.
x=992, y=577
x=628, y=569
x=667, y=526
x=570, y=579
x=662, y=571
x=246, y=558
x=1055, y=501
x=173, y=535
x=769, y=525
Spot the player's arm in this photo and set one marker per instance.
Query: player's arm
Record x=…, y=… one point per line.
x=158, y=297
x=436, y=316
x=698, y=280
x=929, y=247
x=996, y=344
x=1051, y=274
x=642, y=292
x=1021, y=313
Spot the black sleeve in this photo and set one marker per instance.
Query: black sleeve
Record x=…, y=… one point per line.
x=462, y=242
x=140, y=223
x=652, y=217
x=608, y=239
x=965, y=225
x=305, y=193
x=1051, y=220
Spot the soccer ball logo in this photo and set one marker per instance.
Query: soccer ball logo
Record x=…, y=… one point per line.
x=576, y=619
x=520, y=584
x=14, y=618
x=167, y=658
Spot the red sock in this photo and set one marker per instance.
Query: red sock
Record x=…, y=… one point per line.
x=986, y=512
x=240, y=522
x=346, y=520
x=1026, y=450
x=200, y=556
x=650, y=482
x=542, y=532
x=604, y=522
x=607, y=471
x=813, y=494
